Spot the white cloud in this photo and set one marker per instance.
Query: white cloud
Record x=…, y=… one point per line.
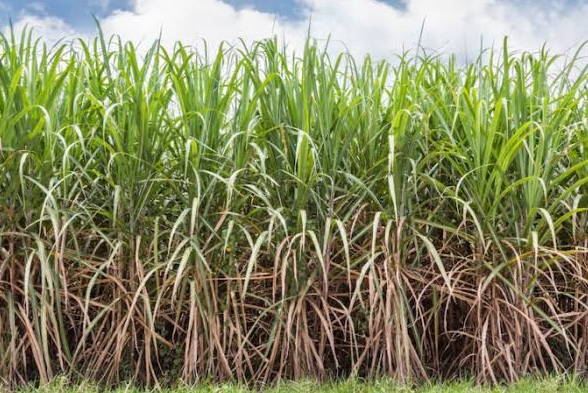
x=50, y=28
x=364, y=26
x=449, y=25
x=188, y=21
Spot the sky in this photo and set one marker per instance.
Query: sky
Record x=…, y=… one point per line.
x=381, y=28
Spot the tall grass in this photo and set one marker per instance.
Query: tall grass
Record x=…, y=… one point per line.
x=251, y=215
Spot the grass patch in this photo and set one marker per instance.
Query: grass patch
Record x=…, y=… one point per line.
x=526, y=385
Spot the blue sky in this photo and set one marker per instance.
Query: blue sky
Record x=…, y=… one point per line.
x=288, y=8
x=77, y=13
x=378, y=27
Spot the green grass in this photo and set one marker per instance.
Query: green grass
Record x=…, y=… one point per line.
x=528, y=385
x=248, y=214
